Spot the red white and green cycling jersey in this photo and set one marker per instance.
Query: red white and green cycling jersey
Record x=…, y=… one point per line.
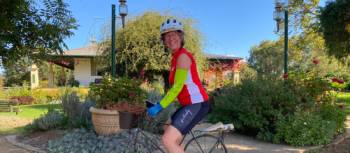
x=192, y=92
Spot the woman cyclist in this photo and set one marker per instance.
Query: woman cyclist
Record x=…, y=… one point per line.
x=185, y=86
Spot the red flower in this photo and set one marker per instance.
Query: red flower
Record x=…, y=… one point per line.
x=132, y=94
x=334, y=80
x=340, y=81
x=315, y=61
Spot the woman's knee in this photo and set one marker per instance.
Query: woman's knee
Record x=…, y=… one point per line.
x=171, y=136
x=167, y=139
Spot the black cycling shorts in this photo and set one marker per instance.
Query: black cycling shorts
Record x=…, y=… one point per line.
x=186, y=117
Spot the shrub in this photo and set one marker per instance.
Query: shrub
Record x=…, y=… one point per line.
x=71, y=107
x=73, y=83
x=85, y=114
x=268, y=109
x=50, y=120
x=305, y=128
x=331, y=113
x=19, y=91
x=77, y=113
x=23, y=100
x=339, y=86
x=112, y=91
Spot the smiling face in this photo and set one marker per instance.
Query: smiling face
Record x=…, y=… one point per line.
x=172, y=40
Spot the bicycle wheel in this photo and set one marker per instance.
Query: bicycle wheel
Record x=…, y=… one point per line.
x=205, y=143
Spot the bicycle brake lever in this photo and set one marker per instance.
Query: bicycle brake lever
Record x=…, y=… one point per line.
x=149, y=104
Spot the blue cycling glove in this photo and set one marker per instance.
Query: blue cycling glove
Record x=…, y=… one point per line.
x=154, y=110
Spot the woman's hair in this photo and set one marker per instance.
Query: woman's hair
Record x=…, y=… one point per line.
x=182, y=36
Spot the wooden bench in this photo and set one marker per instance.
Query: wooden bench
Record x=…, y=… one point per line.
x=5, y=106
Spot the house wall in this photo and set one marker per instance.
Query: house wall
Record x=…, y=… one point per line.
x=82, y=71
x=217, y=72
x=34, y=76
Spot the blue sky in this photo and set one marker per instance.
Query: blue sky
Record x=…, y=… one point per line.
x=229, y=27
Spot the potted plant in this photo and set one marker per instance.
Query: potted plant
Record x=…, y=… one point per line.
x=115, y=97
x=104, y=119
x=130, y=103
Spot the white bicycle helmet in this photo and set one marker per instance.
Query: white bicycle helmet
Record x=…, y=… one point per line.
x=171, y=25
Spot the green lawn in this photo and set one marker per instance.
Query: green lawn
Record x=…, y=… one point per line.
x=32, y=111
x=12, y=123
x=344, y=98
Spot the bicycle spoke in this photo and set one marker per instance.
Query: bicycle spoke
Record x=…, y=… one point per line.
x=205, y=144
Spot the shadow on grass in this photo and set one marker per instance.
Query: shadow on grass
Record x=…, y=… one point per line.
x=17, y=130
x=28, y=113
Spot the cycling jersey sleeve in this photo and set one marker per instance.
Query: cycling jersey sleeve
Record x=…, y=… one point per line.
x=179, y=81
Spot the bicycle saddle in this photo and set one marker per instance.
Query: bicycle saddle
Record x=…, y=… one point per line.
x=218, y=126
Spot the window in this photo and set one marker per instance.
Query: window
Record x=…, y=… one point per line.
x=93, y=67
x=33, y=78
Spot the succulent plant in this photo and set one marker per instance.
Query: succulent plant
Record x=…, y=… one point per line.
x=82, y=140
x=71, y=105
x=51, y=120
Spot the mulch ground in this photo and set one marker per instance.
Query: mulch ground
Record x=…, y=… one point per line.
x=40, y=139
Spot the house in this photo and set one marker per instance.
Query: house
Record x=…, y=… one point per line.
x=221, y=68
x=83, y=63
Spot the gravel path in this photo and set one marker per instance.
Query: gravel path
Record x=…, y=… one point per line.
x=6, y=147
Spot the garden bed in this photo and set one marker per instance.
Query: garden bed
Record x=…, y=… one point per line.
x=39, y=139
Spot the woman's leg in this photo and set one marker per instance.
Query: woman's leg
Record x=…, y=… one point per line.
x=182, y=121
x=171, y=139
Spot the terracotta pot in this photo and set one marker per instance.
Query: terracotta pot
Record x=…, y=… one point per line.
x=128, y=120
x=129, y=115
x=106, y=122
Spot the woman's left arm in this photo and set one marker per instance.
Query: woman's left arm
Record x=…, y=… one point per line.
x=183, y=65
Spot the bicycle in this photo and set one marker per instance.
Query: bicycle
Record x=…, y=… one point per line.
x=202, y=140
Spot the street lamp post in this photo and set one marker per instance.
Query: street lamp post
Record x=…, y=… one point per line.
x=113, y=42
x=123, y=11
x=281, y=14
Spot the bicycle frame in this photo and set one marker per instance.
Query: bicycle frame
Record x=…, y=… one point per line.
x=154, y=144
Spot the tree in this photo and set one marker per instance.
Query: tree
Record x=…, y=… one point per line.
x=139, y=47
x=335, y=27
x=17, y=73
x=303, y=14
x=33, y=32
x=266, y=58
x=304, y=46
